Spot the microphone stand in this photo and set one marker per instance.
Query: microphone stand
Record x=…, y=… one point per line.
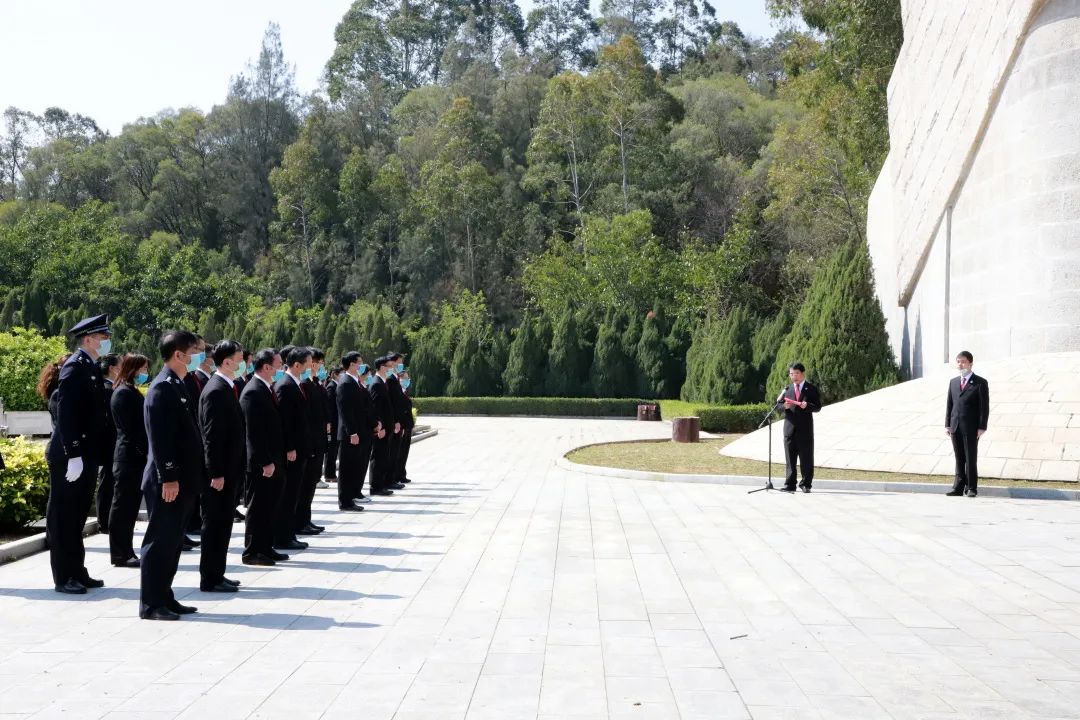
x=767, y=421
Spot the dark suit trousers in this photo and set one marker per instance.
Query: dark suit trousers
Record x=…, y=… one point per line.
x=382, y=462
x=285, y=518
x=125, y=510
x=352, y=468
x=104, y=501
x=161, y=546
x=799, y=447
x=65, y=518
x=404, y=444
x=330, y=464
x=312, y=473
x=965, y=447
x=217, y=522
x=264, y=495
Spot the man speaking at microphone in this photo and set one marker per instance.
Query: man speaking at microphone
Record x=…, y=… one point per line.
x=800, y=400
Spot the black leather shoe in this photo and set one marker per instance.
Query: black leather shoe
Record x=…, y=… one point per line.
x=91, y=582
x=972, y=493
x=382, y=492
x=238, y=516
x=159, y=613
x=397, y=486
x=785, y=488
x=405, y=480
x=259, y=559
x=953, y=493
x=805, y=488
x=192, y=543
x=351, y=508
x=362, y=498
x=320, y=528
x=220, y=587
x=182, y=609
x=71, y=587
x=291, y=545
x=185, y=547
x=307, y=531
x=131, y=562
x=231, y=582
x=277, y=556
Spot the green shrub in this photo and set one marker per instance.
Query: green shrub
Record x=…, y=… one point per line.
x=24, y=483
x=23, y=352
x=716, y=418
x=550, y=407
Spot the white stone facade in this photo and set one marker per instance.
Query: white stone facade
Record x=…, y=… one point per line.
x=974, y=224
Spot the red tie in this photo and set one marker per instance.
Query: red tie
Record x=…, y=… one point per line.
x=796, y=391
x=236, y=391
x=963, y=383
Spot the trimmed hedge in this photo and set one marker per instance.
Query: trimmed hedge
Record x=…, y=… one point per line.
x=24, y=483
x=717, y=418
x=539, y=406
x=23, y=353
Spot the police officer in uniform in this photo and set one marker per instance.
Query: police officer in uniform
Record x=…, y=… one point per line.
x=76, y=451
x=174, y=473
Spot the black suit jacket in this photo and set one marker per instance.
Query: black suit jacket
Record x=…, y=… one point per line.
x=176, y=453
x=262, y=426
x=292, y=407
x=968, y=410
x=222, y=423
x=797, y=421
x=81, y=419
x=127, y=411
x=402, y=405
x=356, y=411
x=383, y=404
x=331, y=407
x=318, y=417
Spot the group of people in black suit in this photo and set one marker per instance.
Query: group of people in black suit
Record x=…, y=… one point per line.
x=216, y=429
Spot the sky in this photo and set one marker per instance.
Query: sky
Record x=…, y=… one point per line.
x=118, y=60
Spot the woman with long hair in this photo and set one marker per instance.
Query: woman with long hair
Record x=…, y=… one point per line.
x=129, y=458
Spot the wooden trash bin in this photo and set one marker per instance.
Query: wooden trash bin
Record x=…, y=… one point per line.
x=686, y=429
x=649, y=411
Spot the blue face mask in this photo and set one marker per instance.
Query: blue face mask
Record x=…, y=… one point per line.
x=306, y=375
x=201, y=359
x=368, y=381
x=406, y=383
x=193, y=363
x=239, y=372
x=399, y=368
x=104, y=347
x=141, y=378
x=362, y=370
x=278, y=374
x=322, y=372
x=251, y=369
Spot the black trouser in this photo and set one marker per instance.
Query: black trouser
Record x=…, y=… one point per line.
x=161, y=545
x=799, y=447
x=965, y=447
x=264, y=495
x=381, y=463
x=405, y=442
x=217, y=517
x=285, y=517
x=125, y=509
x=104, y=501
x=65, y=518
x=330, y=463
x=312, y=473
x=352, y=469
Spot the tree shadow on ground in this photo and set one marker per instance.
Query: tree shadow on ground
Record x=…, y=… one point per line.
x=277, y=621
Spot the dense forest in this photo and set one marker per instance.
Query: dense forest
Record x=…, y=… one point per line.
x=645, y=202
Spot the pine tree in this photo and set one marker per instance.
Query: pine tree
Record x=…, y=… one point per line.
x=324, y=331
x=652, y=358
x=566, y=358
x=344, y=339
x=678, y=343
x=527, y=360
x=7, y=314
x=612, y=372
x=428, y=367
x=209, y=328
x=766, y=343
x=631, y=336
x=731, y=360
x=839, y=333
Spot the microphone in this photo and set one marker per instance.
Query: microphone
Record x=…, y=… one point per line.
x=780, y=397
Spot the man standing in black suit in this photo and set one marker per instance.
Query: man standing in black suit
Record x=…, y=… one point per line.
x=966, y=413
x=402, y=416
x=265, y=459
x=801, y=401
x=330, y=464
x=222, y=424
x=75, y=451
x=407, y=424
x=319, y=429
x=358, y=428
x=174, y=472
x=110, y=368
x=382, y=457
x=292, y=406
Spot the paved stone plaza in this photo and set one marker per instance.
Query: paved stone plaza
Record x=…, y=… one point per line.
x=499, y=586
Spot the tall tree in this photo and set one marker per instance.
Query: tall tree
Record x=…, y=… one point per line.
x=561, y=34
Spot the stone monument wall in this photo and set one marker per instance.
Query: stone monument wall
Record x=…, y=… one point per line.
x=974, y=223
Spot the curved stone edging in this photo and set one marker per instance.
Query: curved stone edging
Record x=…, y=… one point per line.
x=1021, y=493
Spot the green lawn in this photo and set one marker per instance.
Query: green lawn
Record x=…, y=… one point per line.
x=704, y=458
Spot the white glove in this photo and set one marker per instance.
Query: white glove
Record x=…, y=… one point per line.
x=74, y=469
